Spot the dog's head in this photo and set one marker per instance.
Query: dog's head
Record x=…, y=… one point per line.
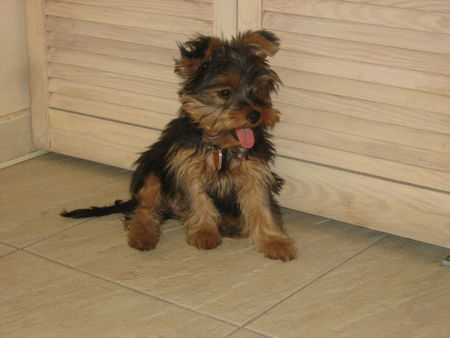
x=227, y=85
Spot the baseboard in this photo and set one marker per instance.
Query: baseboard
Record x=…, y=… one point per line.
x=23, y=158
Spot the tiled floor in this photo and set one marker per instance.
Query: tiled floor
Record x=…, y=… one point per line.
x=78, y=278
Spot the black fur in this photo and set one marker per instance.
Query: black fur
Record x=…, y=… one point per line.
x=118, y=207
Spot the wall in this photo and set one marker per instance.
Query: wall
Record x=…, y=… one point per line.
x=15, y=122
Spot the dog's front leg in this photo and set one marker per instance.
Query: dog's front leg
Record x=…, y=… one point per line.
x=261, y=216
x=202, y=217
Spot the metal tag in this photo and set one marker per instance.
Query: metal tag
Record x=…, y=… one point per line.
x=218, y=157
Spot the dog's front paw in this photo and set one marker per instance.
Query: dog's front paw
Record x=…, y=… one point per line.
x=204, y=238
x=283, y=249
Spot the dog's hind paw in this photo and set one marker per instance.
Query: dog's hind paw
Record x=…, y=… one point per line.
x=143, y=242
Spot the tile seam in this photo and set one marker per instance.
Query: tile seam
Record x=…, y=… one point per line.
x=300, y=289
x=129, y=288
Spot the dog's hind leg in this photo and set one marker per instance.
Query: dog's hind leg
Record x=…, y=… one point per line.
x=144, y=225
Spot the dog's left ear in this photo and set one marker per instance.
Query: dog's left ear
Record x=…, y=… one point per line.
x=194, y=53
x=263, y=43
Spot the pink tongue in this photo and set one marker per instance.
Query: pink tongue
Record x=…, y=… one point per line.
x=246, y=137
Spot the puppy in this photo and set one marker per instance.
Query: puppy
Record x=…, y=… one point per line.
x=211, y=167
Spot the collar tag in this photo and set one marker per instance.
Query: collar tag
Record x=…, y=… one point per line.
x=218, y=158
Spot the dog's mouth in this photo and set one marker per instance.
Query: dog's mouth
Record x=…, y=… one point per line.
x=246, y=137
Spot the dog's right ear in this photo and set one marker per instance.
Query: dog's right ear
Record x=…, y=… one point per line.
x=194, y=53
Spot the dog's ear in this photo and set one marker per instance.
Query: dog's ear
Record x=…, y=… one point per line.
x=194, y=53
x=262, y=43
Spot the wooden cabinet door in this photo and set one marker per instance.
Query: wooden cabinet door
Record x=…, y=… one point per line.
x=365, y=129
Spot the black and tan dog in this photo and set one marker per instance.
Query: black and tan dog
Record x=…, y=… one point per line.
x=211, y=166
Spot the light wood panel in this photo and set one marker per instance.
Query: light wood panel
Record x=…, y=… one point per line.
x=442, y=6
x=180, y=8
x=127, y=83
x=249, y=15
x=122, y=49
x=364, y=90
x=344, y=30
x=370, y=110
x=112, y=64
x=387, y=206
x=369, y=129
x=110, y=111
x=364, y=145
x=366, y=52
x=364, y=13
x=98, y=140
x=120, y=17
x=110, y=95
x=225, y=18
x=357, y=163
x=113, y=32
x=363, y=71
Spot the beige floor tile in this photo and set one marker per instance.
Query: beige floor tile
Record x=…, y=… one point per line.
x=5, y=249
x=233, y=282
x=34, y=192
x=396, y=288
x=43, y=299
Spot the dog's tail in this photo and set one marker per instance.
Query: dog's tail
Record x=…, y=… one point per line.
x=118, y=207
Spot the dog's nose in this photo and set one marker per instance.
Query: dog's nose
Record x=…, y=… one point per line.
x=253, y=116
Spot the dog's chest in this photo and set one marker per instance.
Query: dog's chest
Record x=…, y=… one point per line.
x=225, y=170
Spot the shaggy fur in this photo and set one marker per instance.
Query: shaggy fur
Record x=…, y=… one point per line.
x=211, y=166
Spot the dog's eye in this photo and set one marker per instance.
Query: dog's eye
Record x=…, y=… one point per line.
x=225, y=94
x=203, y=66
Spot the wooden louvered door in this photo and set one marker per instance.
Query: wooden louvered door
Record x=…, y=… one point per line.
x=365, y=131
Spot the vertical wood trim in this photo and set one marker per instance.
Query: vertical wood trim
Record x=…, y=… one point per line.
x=37, y=62
x=249, y=15
x=225, y=18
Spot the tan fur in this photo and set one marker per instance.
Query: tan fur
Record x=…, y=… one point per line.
x=185, y=67
x=253, y=179
x=263, y=47
x=202, y=217
x=264, y=227
x=144, y=226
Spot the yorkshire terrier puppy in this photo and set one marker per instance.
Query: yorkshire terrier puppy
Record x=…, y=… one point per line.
x=211, y=167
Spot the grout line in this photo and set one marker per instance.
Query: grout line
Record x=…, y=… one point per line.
x=9, y=253
x=87, y=273
x=251, y=330
x=312, y=282
x=13, y=249
x=56, y=233
x=10, y=245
